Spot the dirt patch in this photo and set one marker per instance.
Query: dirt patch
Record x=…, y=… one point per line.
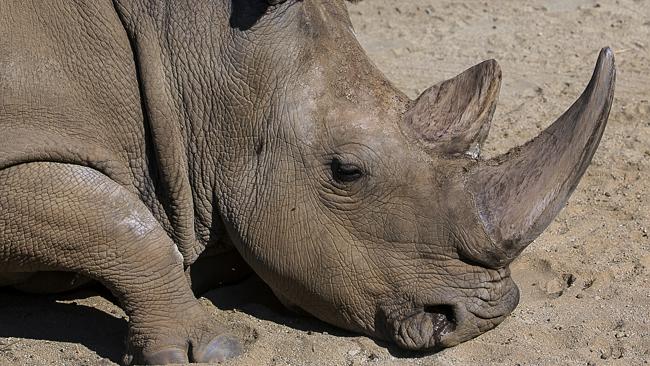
x=585, y=282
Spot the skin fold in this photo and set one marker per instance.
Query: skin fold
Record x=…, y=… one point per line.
x=154, y=145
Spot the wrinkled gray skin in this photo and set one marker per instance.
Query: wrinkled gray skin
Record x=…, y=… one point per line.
x=145, y=143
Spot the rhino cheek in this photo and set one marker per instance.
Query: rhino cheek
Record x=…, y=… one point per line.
x=311, y=265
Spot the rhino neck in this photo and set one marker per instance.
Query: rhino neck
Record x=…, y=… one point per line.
x=174, y=49
x=211, y=79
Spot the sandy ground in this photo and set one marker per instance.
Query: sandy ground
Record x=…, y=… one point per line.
x=585, y=282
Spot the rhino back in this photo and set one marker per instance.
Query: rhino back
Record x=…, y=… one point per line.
x=68, y=84
x=69, y=92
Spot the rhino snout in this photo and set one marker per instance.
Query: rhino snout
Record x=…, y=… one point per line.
x=436, y=326
x=423, y=328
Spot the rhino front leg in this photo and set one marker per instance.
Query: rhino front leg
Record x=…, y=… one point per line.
x=72, y=218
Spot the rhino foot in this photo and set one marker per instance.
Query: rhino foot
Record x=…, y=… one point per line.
x=220, y=349
x=201, y=340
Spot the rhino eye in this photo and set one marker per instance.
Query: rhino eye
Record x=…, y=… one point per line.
x=345, y=173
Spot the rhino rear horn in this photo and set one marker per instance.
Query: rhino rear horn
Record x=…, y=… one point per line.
x=453, y=117
x=519, y=193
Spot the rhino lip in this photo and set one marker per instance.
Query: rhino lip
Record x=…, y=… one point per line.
x=422, y=328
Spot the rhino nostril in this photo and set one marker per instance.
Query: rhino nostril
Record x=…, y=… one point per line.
x=445, y=319
x=445, y=310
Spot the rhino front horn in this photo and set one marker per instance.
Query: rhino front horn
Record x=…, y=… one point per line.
x=519, y=193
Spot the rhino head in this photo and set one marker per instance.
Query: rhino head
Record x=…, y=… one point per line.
x=374, y=212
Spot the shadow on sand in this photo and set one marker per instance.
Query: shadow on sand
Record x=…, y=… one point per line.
x=256, y=299
x=43, y=317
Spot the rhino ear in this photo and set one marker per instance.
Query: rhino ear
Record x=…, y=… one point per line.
x=453, y=117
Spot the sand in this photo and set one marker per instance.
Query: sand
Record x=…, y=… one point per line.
x=585, y=282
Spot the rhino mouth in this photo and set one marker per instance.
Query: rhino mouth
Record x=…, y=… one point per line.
x=422, y=328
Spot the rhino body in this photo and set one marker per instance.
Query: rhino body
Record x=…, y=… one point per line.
x=154, y=145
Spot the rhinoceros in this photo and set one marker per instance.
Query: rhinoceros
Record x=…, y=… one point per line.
x=153, y=145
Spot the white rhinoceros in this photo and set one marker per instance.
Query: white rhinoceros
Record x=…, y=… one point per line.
x=144, y=141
